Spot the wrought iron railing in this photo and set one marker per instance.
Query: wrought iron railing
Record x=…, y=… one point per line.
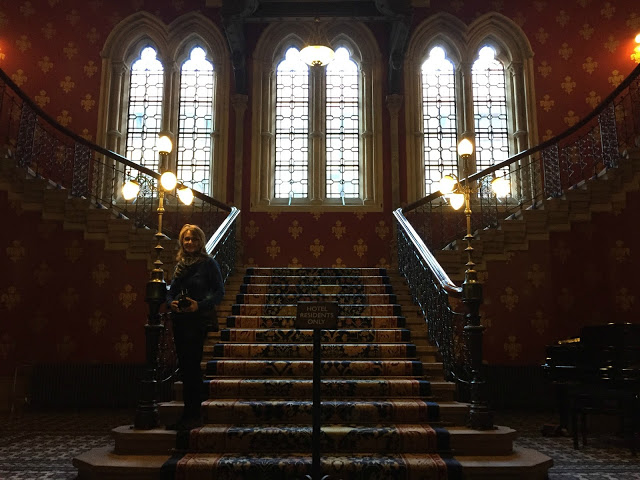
x=584, y=151
x=43, y=148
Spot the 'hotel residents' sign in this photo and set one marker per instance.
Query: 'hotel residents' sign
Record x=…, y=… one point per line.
x=322, y=315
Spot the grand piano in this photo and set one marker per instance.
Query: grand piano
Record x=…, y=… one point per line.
x=597, y=372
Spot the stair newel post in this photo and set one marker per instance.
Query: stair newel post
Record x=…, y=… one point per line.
x=146, y=416
x=480, y=417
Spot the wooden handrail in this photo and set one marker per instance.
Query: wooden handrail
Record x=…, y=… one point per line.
x=440, y=275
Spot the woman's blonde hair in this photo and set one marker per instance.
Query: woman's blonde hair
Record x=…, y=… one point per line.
x=197, y=232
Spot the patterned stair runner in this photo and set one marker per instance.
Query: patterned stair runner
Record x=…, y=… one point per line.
x=379, y=419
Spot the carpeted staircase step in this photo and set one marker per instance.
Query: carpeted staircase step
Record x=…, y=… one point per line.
x=291, y=298
x=304, y=368
x=344, y=309
x=305, y=350
x=271, y=289
x=284, y=321
x=339, y=438
x=330, y=389
x=274, y=335
x=293, y=411
x=316, y=280
x=317, y=271
x=362, y=466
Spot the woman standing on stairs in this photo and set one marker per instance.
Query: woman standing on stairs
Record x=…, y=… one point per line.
x=196, y=287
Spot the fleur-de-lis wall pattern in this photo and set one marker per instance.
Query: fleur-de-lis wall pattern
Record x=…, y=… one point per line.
x=64, y=298
x=73, y=301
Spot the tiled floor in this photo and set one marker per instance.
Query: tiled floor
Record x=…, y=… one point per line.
x=40, y=446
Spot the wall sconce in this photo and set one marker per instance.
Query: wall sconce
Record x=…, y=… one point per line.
x=318, y=53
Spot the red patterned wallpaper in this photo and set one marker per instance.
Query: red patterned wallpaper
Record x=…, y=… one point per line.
x=64, y=298
x=583, y=49
x=581, y=277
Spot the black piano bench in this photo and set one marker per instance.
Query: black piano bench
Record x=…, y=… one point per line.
x=600, y=399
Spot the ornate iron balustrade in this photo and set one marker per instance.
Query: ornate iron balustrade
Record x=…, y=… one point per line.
x=585, y=151
x=43, y=148
x=431, y=289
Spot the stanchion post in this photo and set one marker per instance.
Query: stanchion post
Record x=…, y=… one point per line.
x=317, y=316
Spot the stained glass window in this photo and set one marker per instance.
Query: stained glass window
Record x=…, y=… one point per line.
x=292, y=127
x=439, y=118
x=343, y=126
x=489, y=110
x=144, y=119
x=195, y=121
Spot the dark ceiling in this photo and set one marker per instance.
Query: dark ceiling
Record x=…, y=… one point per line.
x=236, y=13
x=265, y=10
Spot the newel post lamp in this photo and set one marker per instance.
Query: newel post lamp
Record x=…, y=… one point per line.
x=146, y=416
x=480, y=417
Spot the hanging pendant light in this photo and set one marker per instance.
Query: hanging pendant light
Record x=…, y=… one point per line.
x=318, y=52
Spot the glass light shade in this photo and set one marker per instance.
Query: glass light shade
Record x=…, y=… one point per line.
x=447, y=184
x=500, y=186
x=637, y=38
x=317, y=55
x=465, y=147
x=130, y=190
x=165, y=145
x=168, y=180
x=456, y=200
x=185, y=195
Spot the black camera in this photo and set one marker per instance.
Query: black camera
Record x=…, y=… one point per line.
x=183, y=301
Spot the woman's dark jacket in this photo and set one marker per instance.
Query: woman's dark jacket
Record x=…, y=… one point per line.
x=202, y=282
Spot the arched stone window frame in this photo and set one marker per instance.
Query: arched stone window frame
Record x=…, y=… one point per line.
x=269, y=51
x=173, y=44
x=461, y=43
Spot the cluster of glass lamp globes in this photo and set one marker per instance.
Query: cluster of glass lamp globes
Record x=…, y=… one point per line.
x=168, y=180
x=455, y=192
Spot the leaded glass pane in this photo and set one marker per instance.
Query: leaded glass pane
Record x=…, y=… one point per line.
x=490, y=111
x=439, y=118
x=292, y=127
x=343, y=126
x=195, y=121
x=144, y=119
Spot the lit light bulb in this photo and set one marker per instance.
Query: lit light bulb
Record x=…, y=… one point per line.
x=465, y=147
x=168, y=180
x=185, y=195
x=130, y=190
x=316, y=55
x=165, y=145
x=457, y=200
x=500, y=186
x=447, y=184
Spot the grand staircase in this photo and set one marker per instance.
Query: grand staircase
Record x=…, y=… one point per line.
x=606, y=192
x=387, y=413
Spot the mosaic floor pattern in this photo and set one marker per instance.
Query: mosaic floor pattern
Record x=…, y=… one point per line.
x=40, y=446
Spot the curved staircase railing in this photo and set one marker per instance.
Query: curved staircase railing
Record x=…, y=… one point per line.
x=44, y=149
x=555, y=168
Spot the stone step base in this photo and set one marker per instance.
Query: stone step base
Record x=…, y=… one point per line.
x=104, y=464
